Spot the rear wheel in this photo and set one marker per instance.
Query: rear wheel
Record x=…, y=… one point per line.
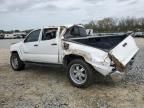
x=16, y=63
x=80, y=73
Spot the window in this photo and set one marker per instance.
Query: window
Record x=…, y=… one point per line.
x=75, y=31
x=72, y=32
x=82, y=31
x=33, y=36
x=49, y=34
x=67, y=33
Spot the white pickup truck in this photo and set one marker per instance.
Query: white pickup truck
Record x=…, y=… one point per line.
x=82, y=55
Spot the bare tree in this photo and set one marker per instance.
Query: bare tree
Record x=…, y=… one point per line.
x=117, y=25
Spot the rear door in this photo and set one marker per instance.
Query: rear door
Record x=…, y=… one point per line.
x=48, y=46
x=125, y=50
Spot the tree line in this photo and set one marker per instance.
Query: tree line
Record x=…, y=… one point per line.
x=107, y=25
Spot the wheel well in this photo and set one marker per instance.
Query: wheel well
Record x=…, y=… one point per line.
x=68, y=58
x=14, y=52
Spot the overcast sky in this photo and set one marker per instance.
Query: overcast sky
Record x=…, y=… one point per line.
x=24, y=14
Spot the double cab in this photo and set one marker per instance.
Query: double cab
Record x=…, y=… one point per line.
x=81, y=55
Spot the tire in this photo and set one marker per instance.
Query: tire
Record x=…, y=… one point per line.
x=16, y=63
x=80, y=73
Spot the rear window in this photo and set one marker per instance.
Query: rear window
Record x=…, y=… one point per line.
x=82, y=31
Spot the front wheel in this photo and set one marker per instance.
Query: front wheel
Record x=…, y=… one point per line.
x=80, y=73
x=16, y=63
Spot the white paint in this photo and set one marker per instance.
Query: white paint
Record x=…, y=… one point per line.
x=125, y=53
x=46, y=53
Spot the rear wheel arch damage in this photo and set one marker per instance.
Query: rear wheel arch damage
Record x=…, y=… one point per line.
x=68, y=58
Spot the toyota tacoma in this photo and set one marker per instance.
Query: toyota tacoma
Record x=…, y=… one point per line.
x=80, y=54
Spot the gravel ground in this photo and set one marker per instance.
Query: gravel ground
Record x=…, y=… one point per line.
x=136, y=74
x=48, y=87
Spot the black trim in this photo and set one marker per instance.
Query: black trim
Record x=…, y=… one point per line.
x=45, y=64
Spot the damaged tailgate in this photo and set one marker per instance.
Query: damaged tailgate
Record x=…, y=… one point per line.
x=124, y=52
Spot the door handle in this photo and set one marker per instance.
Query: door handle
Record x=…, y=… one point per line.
x=35, y=45
x=125, y=44
x=53, y=44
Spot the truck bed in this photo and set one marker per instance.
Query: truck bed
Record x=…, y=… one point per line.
x=104, y=42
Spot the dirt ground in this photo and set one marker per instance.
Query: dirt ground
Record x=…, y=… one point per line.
x=48, y=87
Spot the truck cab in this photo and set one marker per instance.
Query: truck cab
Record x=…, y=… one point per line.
x=41, y=45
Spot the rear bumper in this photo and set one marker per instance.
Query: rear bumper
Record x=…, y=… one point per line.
x=117, y=75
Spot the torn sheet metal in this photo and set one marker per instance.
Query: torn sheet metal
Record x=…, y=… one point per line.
x=101, y=60
x=97, y=58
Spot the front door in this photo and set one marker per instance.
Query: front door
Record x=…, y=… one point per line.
x=30, y=46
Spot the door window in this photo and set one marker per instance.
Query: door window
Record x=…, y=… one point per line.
x=33, y=36
x=49, y=34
